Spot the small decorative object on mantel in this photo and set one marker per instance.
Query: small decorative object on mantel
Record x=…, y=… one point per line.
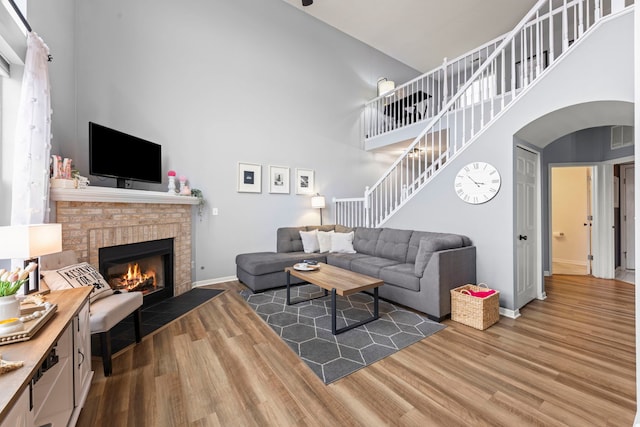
x=184, y=188
x=64, y=176
x=6, y=366
x=172, y=182
x=61, y=172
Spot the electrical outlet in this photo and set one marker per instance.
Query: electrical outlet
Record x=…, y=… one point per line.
x=214, y=211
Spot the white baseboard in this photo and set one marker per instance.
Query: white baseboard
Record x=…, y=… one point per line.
x=542, y=296
x=213, y=281
x=547, y=273
x=571, y=261
x=512, y=314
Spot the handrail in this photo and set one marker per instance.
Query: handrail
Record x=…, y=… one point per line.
x=507, y=72
x=462, y=90
x=381, y=111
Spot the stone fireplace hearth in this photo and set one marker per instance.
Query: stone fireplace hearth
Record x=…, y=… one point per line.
x=99, y=217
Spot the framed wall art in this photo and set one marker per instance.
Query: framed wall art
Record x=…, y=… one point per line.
x=304, y=181
x=278, y=180
x=249, y=178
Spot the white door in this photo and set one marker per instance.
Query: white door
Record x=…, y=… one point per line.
x=628, y=212
x=603, y=264
x=526, y=226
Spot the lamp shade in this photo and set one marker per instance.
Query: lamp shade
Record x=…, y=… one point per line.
x=317, y=202
x=385, y=86
x=30, y=241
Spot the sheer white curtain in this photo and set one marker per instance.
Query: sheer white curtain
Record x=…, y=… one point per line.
x=30, y=185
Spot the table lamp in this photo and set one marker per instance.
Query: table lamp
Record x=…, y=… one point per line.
x=318, y=202
x=29, y=242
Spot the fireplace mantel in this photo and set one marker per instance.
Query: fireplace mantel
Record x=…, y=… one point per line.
x=119, y=195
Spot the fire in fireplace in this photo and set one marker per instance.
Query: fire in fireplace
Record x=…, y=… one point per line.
x=145, y=267
x=135, y=279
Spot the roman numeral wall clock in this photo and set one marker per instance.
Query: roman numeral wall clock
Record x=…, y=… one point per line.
x=477, y=182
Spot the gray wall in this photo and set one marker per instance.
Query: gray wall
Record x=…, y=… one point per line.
x=588, y=146
x=217, y=83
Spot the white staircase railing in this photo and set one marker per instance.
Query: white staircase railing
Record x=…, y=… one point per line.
x=423, y=97
x=548, y=30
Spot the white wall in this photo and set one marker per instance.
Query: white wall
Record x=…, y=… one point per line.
x=491, y=225
x=216, y=83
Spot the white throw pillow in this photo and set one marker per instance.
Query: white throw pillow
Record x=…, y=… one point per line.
x=310, y=241
x=342, y=243
x=76, y=275
x=324, y=240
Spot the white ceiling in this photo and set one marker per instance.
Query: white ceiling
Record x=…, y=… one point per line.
x=420, y=33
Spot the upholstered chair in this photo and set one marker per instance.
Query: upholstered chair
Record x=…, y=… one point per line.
x=105, y=312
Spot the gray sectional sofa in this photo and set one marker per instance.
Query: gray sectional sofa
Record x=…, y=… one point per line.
x=418, y=268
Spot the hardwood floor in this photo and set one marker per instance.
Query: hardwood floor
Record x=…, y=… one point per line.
x=568, y=360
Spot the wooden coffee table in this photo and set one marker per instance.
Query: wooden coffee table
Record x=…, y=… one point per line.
x=338, y=281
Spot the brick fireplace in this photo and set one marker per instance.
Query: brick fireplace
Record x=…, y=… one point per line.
x=99, y=217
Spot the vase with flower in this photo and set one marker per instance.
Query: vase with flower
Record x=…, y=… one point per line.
x=10, y=283
x=172, y=182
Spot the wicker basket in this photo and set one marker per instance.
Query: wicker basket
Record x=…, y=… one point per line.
x=479, y=313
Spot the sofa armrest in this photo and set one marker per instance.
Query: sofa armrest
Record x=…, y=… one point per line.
x=447, y=270
x=432, y=245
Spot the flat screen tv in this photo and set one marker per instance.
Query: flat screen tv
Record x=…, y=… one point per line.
x=125, y=157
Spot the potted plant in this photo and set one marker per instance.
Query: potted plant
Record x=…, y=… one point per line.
x=198, y=193
x=10, y=282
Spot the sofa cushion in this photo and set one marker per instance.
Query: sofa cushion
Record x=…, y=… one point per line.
x=401, y=275
x=342, y=229
x=441, y=243
x=343, y=260
x=324, y=240
x=310, y=241
x=288, y=239
x=328, y=227
x=108, y=312
x=393, y=244
x=342, y=243
x=417, y=236
x=365, y=240
x=259, y=263
x=371, y=265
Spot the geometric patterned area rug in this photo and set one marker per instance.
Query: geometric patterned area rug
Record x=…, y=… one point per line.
x=306, y=328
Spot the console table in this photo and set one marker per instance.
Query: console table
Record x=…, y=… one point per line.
x=54, y=382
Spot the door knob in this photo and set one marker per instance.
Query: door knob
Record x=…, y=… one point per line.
x=521, y=237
